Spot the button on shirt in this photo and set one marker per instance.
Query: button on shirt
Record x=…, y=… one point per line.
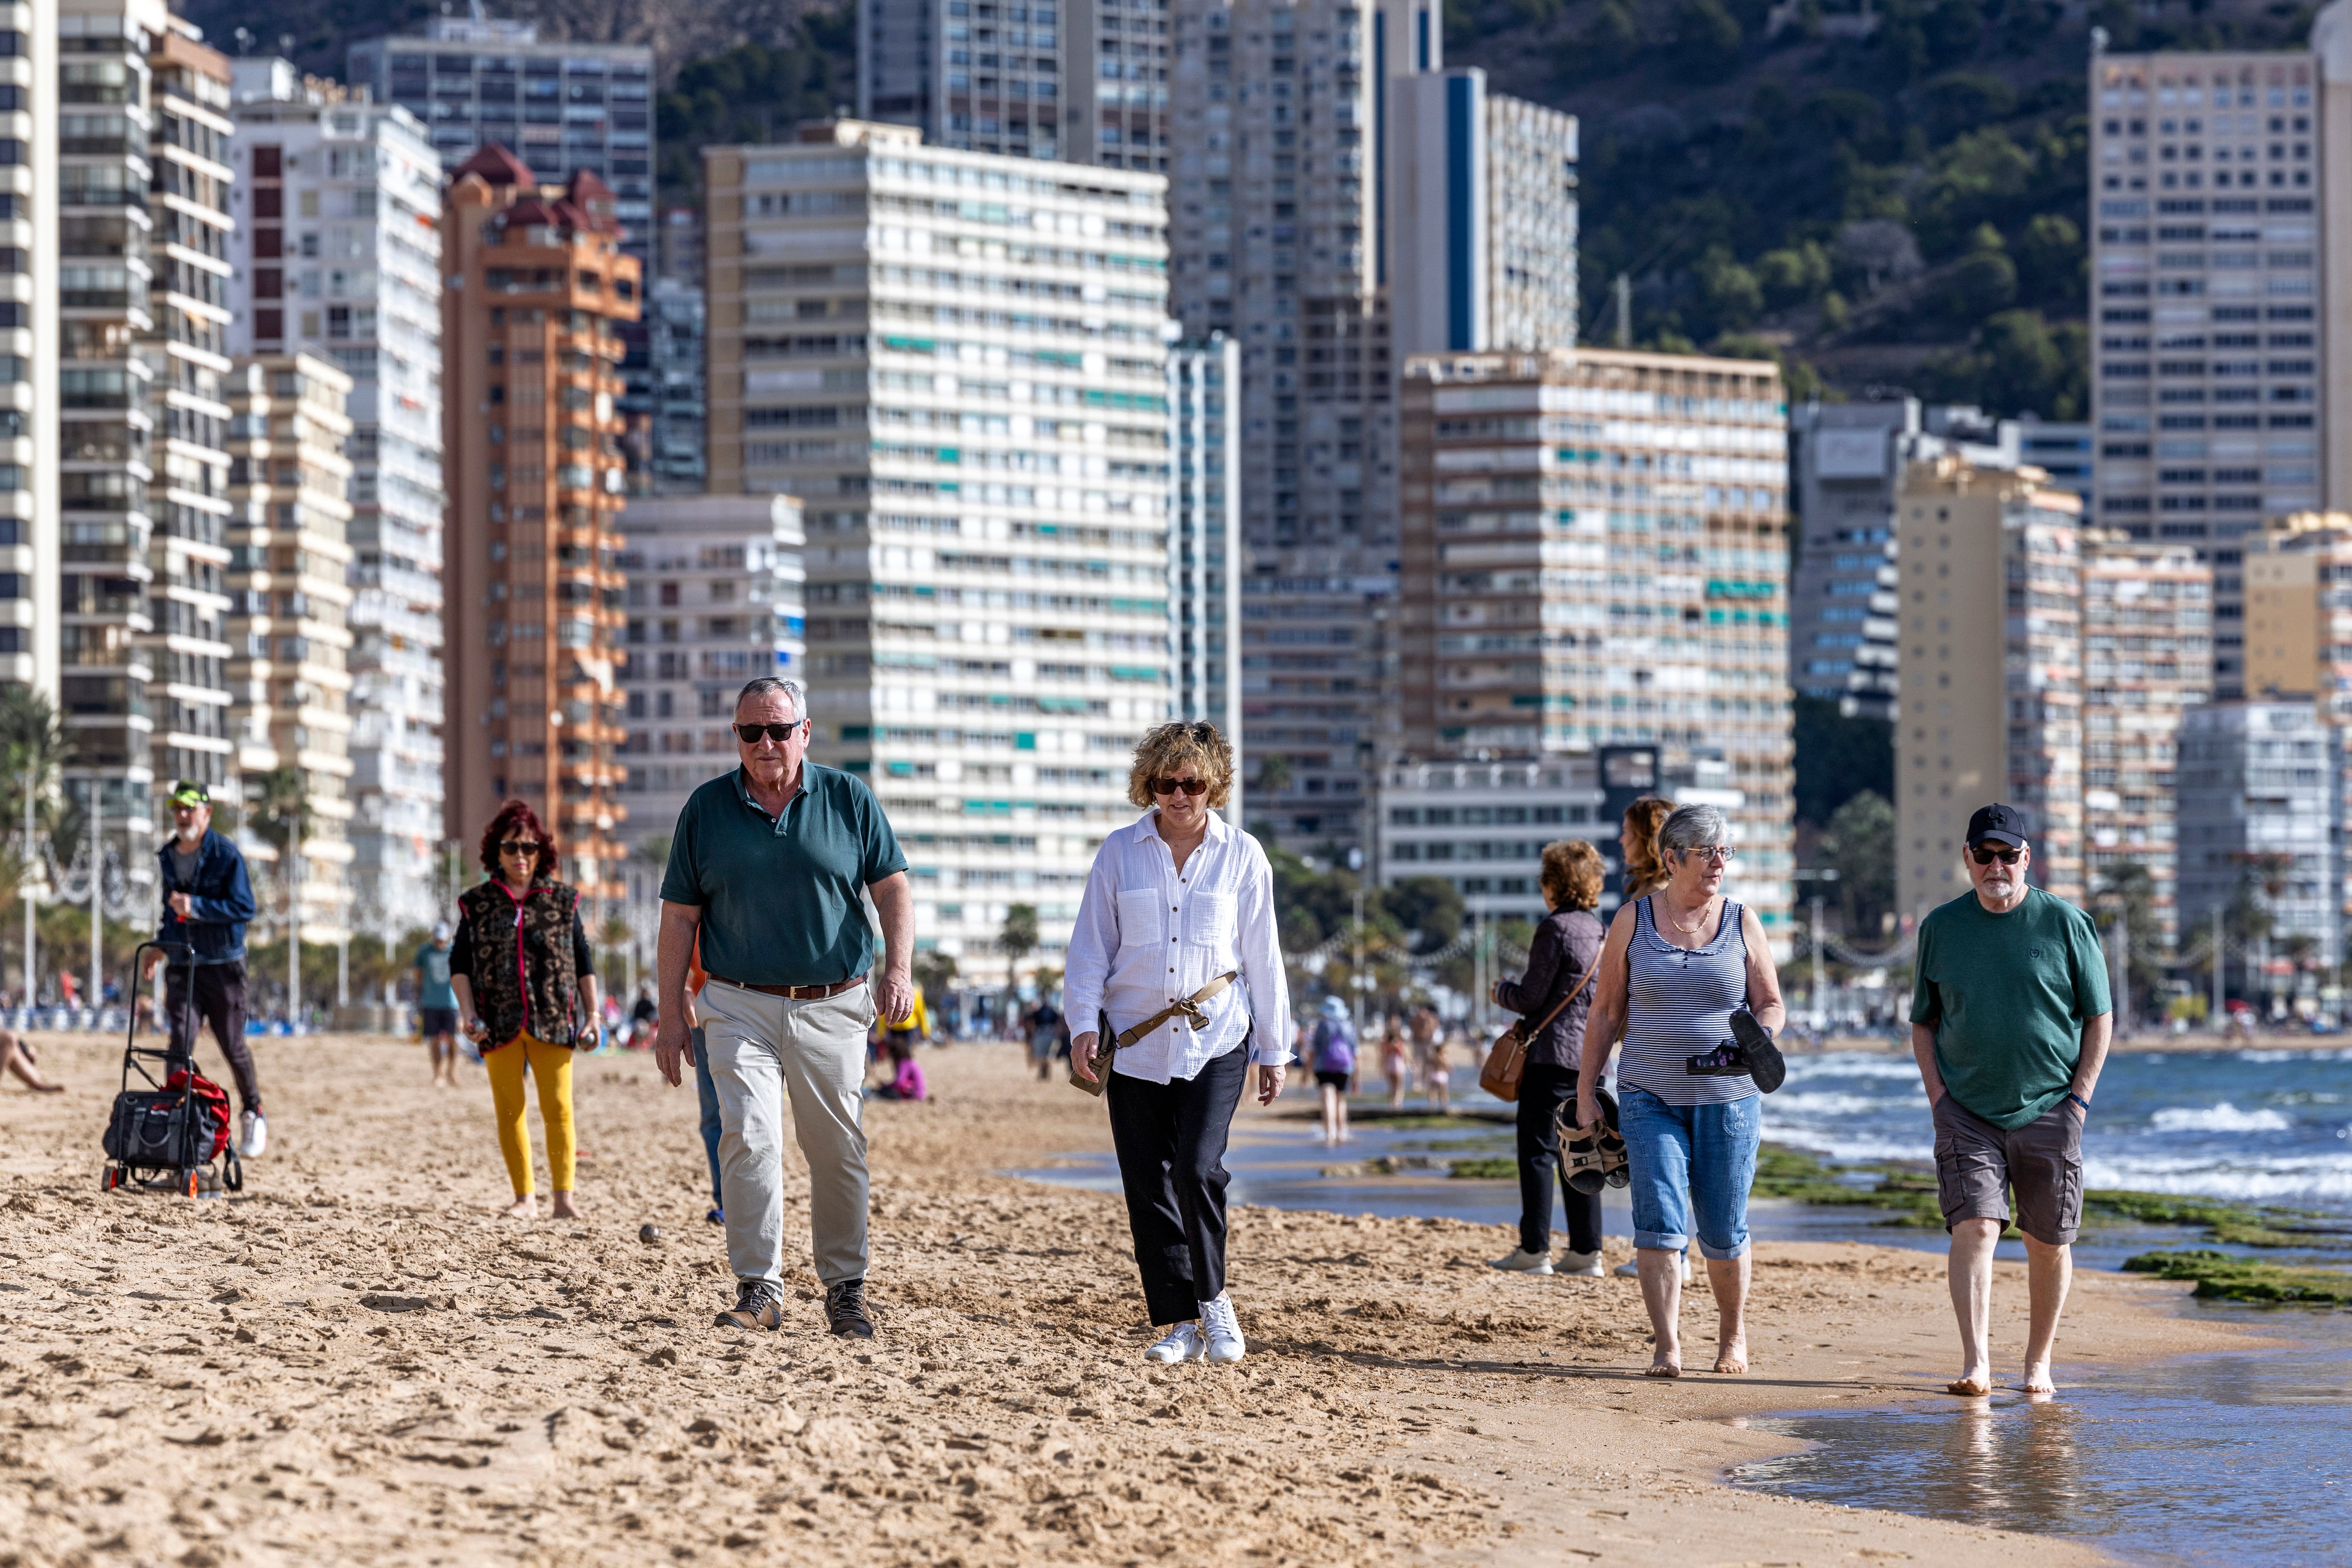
x=1148, y=935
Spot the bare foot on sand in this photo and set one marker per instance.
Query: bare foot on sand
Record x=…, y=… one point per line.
x=2038, y=1381
x=1665, y=1366
x=523, y=1207
x=1731, y=1357
x=1969, y=1387
x=565, y=1208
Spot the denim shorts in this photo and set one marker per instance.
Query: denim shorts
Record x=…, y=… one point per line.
x=1690, y=1164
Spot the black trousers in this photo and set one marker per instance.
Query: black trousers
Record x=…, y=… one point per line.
x=218, y=999
x=1171, y=1139
x=1542, y=1090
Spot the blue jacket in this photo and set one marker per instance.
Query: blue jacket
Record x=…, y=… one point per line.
x=220, y=901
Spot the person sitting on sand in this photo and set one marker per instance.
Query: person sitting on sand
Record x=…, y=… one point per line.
x=1176, y=931
x=18, y=1057
x=1676, y=964
x=2009, y=1021
x=525, y=988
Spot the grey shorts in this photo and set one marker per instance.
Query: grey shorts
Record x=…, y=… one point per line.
x=1977, y=1163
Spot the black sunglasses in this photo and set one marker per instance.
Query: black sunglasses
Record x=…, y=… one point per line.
x=1169, y=786
x=779, y=733
x=520, y=846
x=1986, y=856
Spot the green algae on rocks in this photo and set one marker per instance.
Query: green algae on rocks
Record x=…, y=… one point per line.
x=2225, y=1277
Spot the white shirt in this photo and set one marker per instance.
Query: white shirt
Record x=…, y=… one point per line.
x=1148, y=935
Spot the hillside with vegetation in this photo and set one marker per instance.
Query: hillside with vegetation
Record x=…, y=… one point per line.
x=1887, y=196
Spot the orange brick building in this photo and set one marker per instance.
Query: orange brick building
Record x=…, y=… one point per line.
x=537, y=290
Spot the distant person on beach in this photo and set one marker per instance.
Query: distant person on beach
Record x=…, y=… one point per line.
x=1562, y=951
x=1637, y=842
x=1176, y=937
x=17, y=1057
x=208, y=900
x=768, y=868
x=2009, y=1021
x=1331, y=1052
x=527, y=995
x=1046, y=1029
x=1677, y=963
x=1396, y=1065
x=437, y=1007
x=1429, y=1057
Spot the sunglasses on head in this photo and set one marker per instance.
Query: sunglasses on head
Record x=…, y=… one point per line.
x=1985, y=853
x=779, y=733
x=520, y=846
x=1169, y=786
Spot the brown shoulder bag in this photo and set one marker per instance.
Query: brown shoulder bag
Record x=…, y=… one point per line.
x=1507, y=1057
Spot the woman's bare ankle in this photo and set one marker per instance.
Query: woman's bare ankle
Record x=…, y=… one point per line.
x=525, y=1206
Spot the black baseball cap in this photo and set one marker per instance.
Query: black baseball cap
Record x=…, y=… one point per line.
x=1998, y=823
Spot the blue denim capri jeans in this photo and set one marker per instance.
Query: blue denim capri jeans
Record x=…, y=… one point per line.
x=1691, y=1167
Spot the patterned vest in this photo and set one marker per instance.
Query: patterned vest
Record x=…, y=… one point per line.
x=523, y=976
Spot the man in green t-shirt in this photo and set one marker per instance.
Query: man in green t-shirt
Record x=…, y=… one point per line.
x=2010, y=1021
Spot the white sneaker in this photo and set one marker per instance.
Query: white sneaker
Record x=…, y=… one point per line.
x=1632, y=1268
x=1182, y=1343
x=253, y=1135
x=1222, y=1330
x=1584, y=1264
x=1522, y=1261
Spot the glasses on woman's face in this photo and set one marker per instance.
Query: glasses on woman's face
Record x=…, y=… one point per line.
x=1169, y=786
x=520, y=846
x=1713, y=854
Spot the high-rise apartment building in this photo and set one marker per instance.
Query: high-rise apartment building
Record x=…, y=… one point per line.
x=563, y=104
x=2299, y=612
x=2147, y=659
x=956, y=360
x=185, y=349
x=2258, y=785
x=1085, y=81
x=2206, y=269
x=107, y=445
x=1595, y=554
x=715, y=597
x=1991, y=560
x=2067, y=450
x=30, y=549
x=1847, y=461
x=533, y=469
x=674, y=414
x=1204, y=540
x=289, y=621
x=337, y=254
x=1482, y=244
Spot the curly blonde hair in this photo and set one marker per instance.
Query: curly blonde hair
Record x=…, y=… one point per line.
x=1169, y=747
x=1643, y=870
x=1572, y=873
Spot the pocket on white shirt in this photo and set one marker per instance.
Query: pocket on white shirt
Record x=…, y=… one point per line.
x=1212, y=918
x=1141, y=917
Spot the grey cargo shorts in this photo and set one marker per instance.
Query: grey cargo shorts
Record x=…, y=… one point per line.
x=1977, y=1163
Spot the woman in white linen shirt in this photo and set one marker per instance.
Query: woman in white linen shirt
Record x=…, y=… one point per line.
x=1175, y=900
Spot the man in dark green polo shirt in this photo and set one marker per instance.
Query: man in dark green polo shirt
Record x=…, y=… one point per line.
x=769, y=867
x=2009, y=1023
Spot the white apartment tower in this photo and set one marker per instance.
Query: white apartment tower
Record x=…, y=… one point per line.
x=2205, y=256
x=1204, y=538
x=337, y=254
x=29, y=545
x=1085, y=81
x=956, y=360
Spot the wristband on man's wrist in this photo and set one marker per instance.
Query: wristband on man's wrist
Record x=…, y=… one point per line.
x=2079, y=1100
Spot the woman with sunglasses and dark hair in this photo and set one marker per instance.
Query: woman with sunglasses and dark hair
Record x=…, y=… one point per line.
x=527, y=993
x=1175, y=951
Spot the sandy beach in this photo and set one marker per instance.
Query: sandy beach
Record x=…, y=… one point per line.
x=359, y=1362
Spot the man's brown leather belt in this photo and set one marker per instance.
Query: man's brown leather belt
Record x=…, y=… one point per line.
x=795, y=993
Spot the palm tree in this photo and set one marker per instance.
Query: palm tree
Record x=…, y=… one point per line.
x=33, y=746
x=1019, y=940
x=275, y=815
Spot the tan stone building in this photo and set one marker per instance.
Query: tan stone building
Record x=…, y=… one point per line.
x=538, y=289
x=1595, y=553
x=1990, y=621
x=2299, y=612
x=289, y=630
x=2147, y=659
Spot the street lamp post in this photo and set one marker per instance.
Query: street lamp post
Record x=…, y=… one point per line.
x=1818, y=1008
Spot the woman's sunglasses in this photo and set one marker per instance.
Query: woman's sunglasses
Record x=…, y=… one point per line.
x=779, y=733
x=1169, y=786
x=1986, y=856
x=520, y=846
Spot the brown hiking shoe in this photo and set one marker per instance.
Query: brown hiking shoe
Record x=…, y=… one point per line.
x=758, y=1305
x=844, y=1310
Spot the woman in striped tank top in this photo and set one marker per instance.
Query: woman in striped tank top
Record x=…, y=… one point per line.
x=1675, y=967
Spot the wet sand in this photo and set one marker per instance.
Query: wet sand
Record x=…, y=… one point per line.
x=360, y=1362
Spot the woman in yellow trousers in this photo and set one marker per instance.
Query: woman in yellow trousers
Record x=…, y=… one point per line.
x=526, y=995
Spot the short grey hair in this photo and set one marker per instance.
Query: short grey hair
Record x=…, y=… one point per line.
x=1694, y=827
x=762, y=685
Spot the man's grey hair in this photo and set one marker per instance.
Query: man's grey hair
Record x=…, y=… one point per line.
x=762, y=685
x=1694, y=827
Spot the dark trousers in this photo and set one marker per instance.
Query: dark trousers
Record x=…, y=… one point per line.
x=217, y=998
x=1543, y=1090
x=1171, y=1139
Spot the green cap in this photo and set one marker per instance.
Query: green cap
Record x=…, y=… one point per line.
x=188, y=792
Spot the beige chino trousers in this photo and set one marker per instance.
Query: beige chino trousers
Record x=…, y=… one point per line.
x=765, y=1052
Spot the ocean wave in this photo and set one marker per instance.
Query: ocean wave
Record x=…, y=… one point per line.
x=2324, y=1181
x=1827, y=1102
x=1852, y=1064
x=2222, y=1118
x=2336, y=1053
x=1835, y=1146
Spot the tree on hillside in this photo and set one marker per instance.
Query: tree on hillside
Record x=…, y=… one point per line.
x=1859, y=842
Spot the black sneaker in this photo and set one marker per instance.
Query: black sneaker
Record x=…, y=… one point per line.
x=844, y=1310
x=758, y=1305
x=1749, y=1053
